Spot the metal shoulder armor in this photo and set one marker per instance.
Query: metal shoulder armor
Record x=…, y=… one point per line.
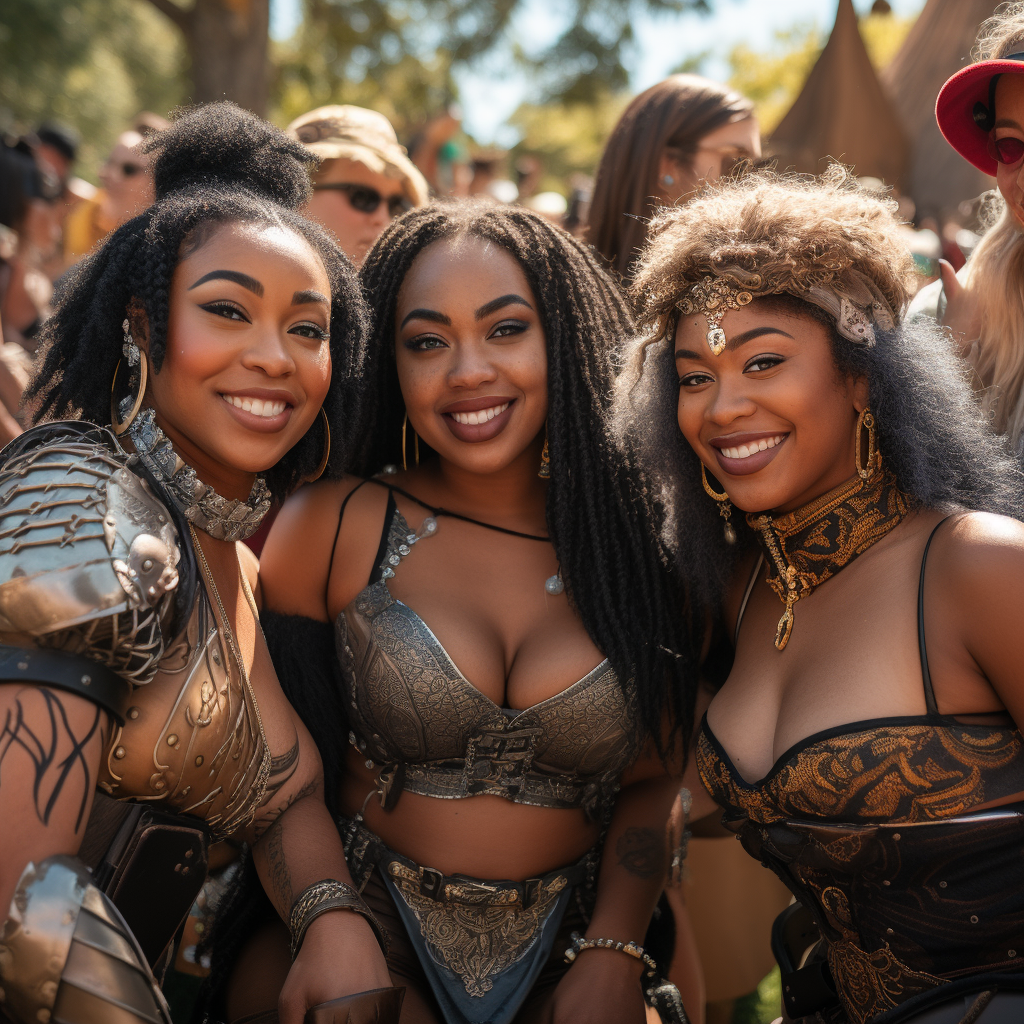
x=67, y=955
x=88, y=555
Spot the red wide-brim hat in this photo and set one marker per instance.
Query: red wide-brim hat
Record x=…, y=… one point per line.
x=968, y=92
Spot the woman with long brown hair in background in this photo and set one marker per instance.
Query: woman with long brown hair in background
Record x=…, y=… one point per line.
x=679, y=132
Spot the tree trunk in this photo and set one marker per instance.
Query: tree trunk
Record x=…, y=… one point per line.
x=228, y=43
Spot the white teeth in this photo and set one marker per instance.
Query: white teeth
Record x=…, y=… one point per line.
x=481, y=416
x=264, y=408
x=744, y=451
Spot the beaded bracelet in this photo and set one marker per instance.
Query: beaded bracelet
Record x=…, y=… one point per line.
x=319, y=898
x=633, y=949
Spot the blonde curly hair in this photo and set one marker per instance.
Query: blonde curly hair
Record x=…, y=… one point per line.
x=1001, y=34
x=792, y=232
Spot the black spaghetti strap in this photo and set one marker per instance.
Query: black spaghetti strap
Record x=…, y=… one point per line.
x=746, y=597
x=378, y=561
x=926, y=676
x=337, y=534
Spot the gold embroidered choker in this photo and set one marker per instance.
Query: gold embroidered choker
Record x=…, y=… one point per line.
x=811, y=544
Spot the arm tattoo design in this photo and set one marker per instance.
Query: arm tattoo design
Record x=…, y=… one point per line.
x=42, y=741
x=641, y=851
x=280, y=877
x=282, y=768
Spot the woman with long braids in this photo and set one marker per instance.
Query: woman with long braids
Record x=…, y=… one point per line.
x=510, y=660
x=866, y=744
x=141, y=716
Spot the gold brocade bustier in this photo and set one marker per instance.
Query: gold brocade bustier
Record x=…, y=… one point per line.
x=89, y=569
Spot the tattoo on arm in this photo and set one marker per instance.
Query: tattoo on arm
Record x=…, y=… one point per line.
x=282, y=768
x=280, y=877
x=641, y=851
x=43, y=741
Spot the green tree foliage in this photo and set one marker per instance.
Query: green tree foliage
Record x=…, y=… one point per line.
x=568, y=137
x=93, y=64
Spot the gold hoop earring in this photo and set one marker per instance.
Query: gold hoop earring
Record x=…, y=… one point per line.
x=416, y=443
x=120, y=426
x=724, y=507
x=545, y=458
x=866, y=424
x=327, y=449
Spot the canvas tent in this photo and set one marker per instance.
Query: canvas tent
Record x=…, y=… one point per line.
x=843, y=111
x=939, y=44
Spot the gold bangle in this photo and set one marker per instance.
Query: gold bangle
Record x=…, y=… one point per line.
x=633, y=949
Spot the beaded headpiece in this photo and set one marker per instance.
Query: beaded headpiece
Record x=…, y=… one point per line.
x=853, y=300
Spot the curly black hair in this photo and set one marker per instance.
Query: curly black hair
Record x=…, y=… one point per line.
x=930, y=433
x=217, y=164
x=602, y=526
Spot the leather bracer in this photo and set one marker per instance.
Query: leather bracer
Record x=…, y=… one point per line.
x=67, y=956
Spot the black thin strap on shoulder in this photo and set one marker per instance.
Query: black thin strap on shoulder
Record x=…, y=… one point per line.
x=926, y=676
x=746, y=597
x=378, y=562
x=341, y=515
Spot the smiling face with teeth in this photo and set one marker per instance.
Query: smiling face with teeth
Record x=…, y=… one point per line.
x=771, y=417
x=471, y=355
x=247, y=363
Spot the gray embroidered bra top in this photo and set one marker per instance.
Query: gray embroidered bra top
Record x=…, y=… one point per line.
x=428, y=730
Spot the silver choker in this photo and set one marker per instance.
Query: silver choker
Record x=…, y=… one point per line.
x=222, y=518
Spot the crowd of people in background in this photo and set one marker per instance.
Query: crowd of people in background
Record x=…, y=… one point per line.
x=670, y=140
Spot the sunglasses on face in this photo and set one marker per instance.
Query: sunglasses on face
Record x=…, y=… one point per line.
x=127, y=170
x=366, y=199
x=1008, y=151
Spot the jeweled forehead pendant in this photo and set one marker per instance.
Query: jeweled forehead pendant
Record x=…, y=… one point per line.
x=713, y=297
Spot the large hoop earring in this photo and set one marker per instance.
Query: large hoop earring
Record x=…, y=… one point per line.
x=866, y=425
x=416, y=442
x=120, y=426
x=724, y=506
x=327, y=449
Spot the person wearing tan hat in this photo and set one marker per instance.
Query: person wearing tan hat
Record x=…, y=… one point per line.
x=365, y=179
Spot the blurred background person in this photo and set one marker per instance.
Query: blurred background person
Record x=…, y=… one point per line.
x=365, y=180
x=679, y=132
x=980, y=111
x=126, y=180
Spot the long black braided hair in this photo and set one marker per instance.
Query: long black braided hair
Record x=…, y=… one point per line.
x=599, y=514
x=217, y=164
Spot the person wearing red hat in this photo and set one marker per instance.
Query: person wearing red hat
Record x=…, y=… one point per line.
x=980, y=111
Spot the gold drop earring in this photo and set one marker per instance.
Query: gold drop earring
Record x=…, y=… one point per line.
x=416, y=442
x=866, y=425
x=724, y=507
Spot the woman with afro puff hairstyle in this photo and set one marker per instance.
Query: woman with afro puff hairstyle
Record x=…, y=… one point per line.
x=835, y=490
x=197, y=365
x=513, y=678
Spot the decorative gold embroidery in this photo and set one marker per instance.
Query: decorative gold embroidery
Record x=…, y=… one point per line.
x=886, y=774
x=871, y=983
x=476, y=931
x=811, y=544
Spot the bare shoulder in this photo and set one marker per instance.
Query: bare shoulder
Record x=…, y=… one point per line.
x=980, y=546
x=294, y=566
x=250, y=566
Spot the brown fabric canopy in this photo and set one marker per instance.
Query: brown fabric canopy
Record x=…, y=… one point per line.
x=843, y=112
x=939, y=44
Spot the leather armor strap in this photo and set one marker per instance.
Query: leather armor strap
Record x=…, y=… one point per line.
x=70, y=672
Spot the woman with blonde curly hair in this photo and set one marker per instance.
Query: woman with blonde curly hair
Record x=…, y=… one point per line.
x=861, y=536
x=980, y=111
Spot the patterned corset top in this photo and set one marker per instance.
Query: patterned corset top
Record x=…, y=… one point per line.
x=430, y=731
x=883, y=771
